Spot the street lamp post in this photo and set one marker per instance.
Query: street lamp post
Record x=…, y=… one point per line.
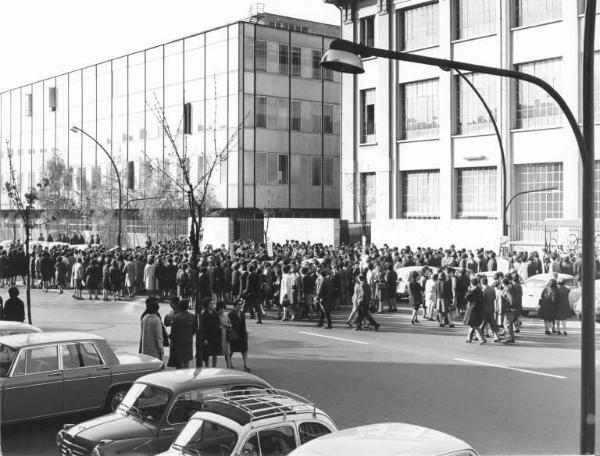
x=76, y=129
x=346, y=57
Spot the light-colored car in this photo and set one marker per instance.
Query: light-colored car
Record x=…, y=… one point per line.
x=45, y=374
x=534, y=285
x=386, y=439
x=155, y=409
x=8, y=328
x=404, y=274
x=260, y=423
x=577, y=307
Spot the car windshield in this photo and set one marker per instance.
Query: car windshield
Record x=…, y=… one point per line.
x=7, y=356
x=202, y=438
x=146, y=402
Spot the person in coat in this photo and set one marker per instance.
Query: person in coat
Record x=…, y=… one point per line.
x=152, y=332
x=150, y=277
x=115, y=278
x=489, y=309
x=563, y=308
x=444, y=299
x=324, y=297
x=415, y=295
x=238, y=340
x=183, y=328
x=251, y=294
x=362, y=297
x=14, y=309
x=209, y=335
x=474, y=311
x=547, y=309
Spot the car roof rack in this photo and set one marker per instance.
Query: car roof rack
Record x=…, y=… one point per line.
x=264, y=403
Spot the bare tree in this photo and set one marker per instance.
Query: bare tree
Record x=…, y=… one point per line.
x=196, y=192
x=268, y=212
x=24, y=205
x=364, y=200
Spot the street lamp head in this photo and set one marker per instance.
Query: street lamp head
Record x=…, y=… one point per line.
x=74, y=129
x=343, y=56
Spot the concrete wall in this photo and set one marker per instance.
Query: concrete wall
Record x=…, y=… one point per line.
x=470, y=234
x=217, y=231
x=325, y=231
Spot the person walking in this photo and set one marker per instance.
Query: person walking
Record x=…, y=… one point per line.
x=14, y=308
x=508, y=311
x=210, y=335
x=415, y=296
x=444, y=299
x=115, y=278
x=547, y=309
x=489, y=309
x=431, y=295
x=251, y=294
x=152, y=332
x=323, y=294
x=77, y=276
x=238, y=336
x=183, y=328
x=150, y=277
x=563, y=308
x=225, y=326
x=362, y=296
x=93, y=276
x=286, y=294
x=474, y=310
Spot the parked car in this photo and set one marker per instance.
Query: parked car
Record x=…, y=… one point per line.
x=534, y=285
x=404, y=274
x=577, y=307
x=52, y=373
x=259, y=423
x=155, y=409
x=386, y=439
x=8, y=328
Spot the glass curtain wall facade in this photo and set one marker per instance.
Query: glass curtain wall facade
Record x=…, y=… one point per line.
x=255, y=91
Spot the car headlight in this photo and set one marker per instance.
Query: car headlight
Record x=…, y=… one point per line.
x=96, y=451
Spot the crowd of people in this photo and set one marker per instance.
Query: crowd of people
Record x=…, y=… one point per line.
x=299, y=281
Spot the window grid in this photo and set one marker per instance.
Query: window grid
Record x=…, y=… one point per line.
x=421, y=194
x=471, y=115
x=367, y=31
x=296, y=59
x=476, y=192
x=261, y=55
x=475, y=18
x=419, y=106
x=535, y=108
x=367, y=116
x=529, y=12
x=261, y=112
x=420, y=26
x=539, y=206
x=316, y=64
x=283, y=59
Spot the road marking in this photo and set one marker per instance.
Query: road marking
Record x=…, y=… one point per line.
x=335, y=338
x=499, y=366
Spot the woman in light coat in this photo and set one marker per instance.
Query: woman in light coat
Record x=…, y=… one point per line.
x=150, y=276
x=152, y=332
x=431, y=296
x=286, y=292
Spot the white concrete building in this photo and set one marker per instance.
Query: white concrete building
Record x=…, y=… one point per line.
x=419, y=153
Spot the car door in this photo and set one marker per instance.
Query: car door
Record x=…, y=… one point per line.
x=86, y=376
x=35, y=387
x=184, y=406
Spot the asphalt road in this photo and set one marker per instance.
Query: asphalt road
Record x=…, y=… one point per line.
x=522, y=398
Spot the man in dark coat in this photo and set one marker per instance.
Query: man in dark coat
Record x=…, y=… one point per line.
x=14, y=309
x=444, y=294
x=362, y=295
x=251, y=293
x=489, y=309
x=324, y=297
x=474, y=312
x=183, y=328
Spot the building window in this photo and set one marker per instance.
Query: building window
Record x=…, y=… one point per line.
x=315, y=117
x=296, y=124
x=283, y=59
x=261, y=112
x=283, y=114
x=260, y=50
x=272, y=111
x=471, y=115
x=475, y=18
x=476, y=192
x=316, y=171
x=535, y=108
x=261, y=168
x=316, y=64
x=296, y=59
x=367, y=116
x=537, y=206
x=529, y=12
x=367, y=31
x=421, y=194
x=367, y=208
x=419, y=26
x=282, y=170
x=327, y=171
x=419, y=109
x=327, y=118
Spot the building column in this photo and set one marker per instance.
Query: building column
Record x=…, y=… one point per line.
x=447, y=190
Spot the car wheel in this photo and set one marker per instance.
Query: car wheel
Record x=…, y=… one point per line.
x=115, y=397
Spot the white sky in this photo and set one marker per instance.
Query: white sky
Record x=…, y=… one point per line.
x=42, y=38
